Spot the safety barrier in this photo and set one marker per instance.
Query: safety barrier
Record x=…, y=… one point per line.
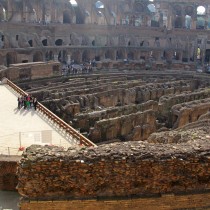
x=71, y=131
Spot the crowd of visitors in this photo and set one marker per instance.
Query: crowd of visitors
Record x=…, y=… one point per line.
x=27, y=102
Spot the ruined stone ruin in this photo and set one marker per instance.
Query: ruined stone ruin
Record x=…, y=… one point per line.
x=152, y=130
x=143, y=104
x=125, y=106
x=149, y=34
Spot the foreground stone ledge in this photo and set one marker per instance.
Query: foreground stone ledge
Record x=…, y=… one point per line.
x=120, y=169
x=165, y=202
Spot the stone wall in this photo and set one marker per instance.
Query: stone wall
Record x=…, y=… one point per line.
x=8, y=168
x=132, y=127
x=189, y=112
x=120, y=169
x=28, y=71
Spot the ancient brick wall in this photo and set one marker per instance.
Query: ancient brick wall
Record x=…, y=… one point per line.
x=27, y=71
x=120, y=169
x=8, y=178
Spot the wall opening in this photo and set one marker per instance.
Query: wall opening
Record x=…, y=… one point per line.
x=37, y=57
x=44, y=42
x=58, y=42
x=30, y=43
x=66, y=17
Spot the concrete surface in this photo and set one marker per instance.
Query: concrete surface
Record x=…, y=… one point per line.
x=22, y=128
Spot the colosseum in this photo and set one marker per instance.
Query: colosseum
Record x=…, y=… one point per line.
x=131, y=77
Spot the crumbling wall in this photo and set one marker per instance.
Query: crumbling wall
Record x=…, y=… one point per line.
x=120, y=169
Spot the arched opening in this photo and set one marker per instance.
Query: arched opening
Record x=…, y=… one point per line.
x=37, y=57
x=76, y=57
x=44, y=42
x=119, y=55
x=62, y=56
x=10, y=58
x=207, y=57
x=49, y=56
x=130, y=56
x=80, y=15
x=97, y=58
x=201, y=12
x=2, y=13
x=155, y=21
x=66, y=17
x=59, y=42
x=99, y=5
x=200, y=23
x=188, y=21
x=178, y=22
x=178, y=17
x=86, y=56
x=189, y=11
x=30, y=43
x=109, y=54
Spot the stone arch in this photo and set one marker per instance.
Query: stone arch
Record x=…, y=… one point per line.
x=189, y=13
x=207, y=56
x=62, y=56
x=109, y=54
x=30, y=42
x=44, y=42
x=178, y=16
x=11, y=58
x=3, y=13
x=37, y=56
x=79, y=15
x=86, y=56
x=99, y=5
x=200, y=23
x=139, y=7
x=67, y=16
x=76, y=56
x=130, y=55
x=120, y=54
x=49, y=56
x=59, y=42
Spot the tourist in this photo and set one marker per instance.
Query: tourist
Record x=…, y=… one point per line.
x=19, y=102
x=35, y=103
x=28, y=98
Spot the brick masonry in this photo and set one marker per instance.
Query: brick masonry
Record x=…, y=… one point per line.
x=120, y=169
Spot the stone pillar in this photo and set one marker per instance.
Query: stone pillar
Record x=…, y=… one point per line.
x=55, y=57
x=136, y=55
x=69, y=59
x=193, y=23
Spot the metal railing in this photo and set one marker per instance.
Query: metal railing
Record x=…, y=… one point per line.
x=71, y=131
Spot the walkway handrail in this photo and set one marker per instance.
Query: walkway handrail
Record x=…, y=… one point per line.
x=82, y=139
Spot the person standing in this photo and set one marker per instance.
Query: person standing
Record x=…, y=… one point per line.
x=19, y=102
x=35, y=103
